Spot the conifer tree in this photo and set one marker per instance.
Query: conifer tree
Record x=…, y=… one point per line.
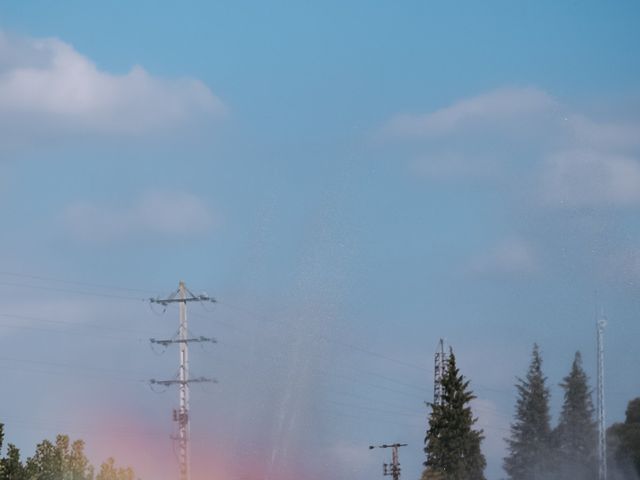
x=452, y=445
x=623, y=441
x=574, y=438
x=529, y=442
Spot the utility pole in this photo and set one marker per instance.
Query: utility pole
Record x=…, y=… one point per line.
x=601, y=322
x=392, y=469
x=181, y=416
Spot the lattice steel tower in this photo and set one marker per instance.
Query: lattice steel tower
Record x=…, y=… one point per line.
x=181, y=416
x=440, y=367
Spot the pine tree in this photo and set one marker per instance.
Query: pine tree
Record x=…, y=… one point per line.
x=529, y=443
x=574, y=438
x=452, y=445
x=623, y=442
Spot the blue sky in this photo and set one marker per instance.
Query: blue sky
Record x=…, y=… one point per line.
x=352, y=181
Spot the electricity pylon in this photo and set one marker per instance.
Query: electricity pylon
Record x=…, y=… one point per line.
x=181, y=416
x=391, y=469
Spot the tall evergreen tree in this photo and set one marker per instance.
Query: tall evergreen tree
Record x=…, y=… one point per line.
x=452, y=445
x=574, y=438
x=529, y=443
x=623, y=442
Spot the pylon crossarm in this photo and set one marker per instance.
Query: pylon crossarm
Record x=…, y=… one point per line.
x=200, y=339
x=196, y=298
x=168, y=383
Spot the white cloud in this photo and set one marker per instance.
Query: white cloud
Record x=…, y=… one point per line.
x=45, y=85
x=583, y=178
x=607, y=135
x=512, y=256
x=498, y=105
x=160, y=213
x=509, y=134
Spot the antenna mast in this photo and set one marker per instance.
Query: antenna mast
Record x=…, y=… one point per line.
x=181, y=416
x=440, y=364
x=601, y=323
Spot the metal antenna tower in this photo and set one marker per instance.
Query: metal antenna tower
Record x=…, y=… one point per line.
x=391, y=469
x=601, y=323
x=181, y=416
x=441, y=359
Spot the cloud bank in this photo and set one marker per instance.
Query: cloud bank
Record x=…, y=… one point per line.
x=556, y=169
x=574, y=160
x=47, y=86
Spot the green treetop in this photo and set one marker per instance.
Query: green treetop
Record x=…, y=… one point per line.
x=452, y=445
x=529, y=443
x=575, y=436
x=623, y=440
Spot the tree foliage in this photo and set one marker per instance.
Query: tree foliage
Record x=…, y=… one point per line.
x=529, y=443
x=623, y=441
x=574, y=439
x=59, y=460
x=452, y=445
x=11, y=467
x=109, y=471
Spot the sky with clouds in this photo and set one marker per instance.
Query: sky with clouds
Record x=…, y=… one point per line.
x=351, y=180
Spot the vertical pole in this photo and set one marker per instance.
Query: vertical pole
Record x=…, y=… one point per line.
x=395, y=464
x=183, y=417
x=602, y=440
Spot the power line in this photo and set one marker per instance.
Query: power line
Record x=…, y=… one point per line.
x=68, y=366
x=346, y=345
x=74, y=324
x=326, y=338
x=70, y=290
x=74, y=282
